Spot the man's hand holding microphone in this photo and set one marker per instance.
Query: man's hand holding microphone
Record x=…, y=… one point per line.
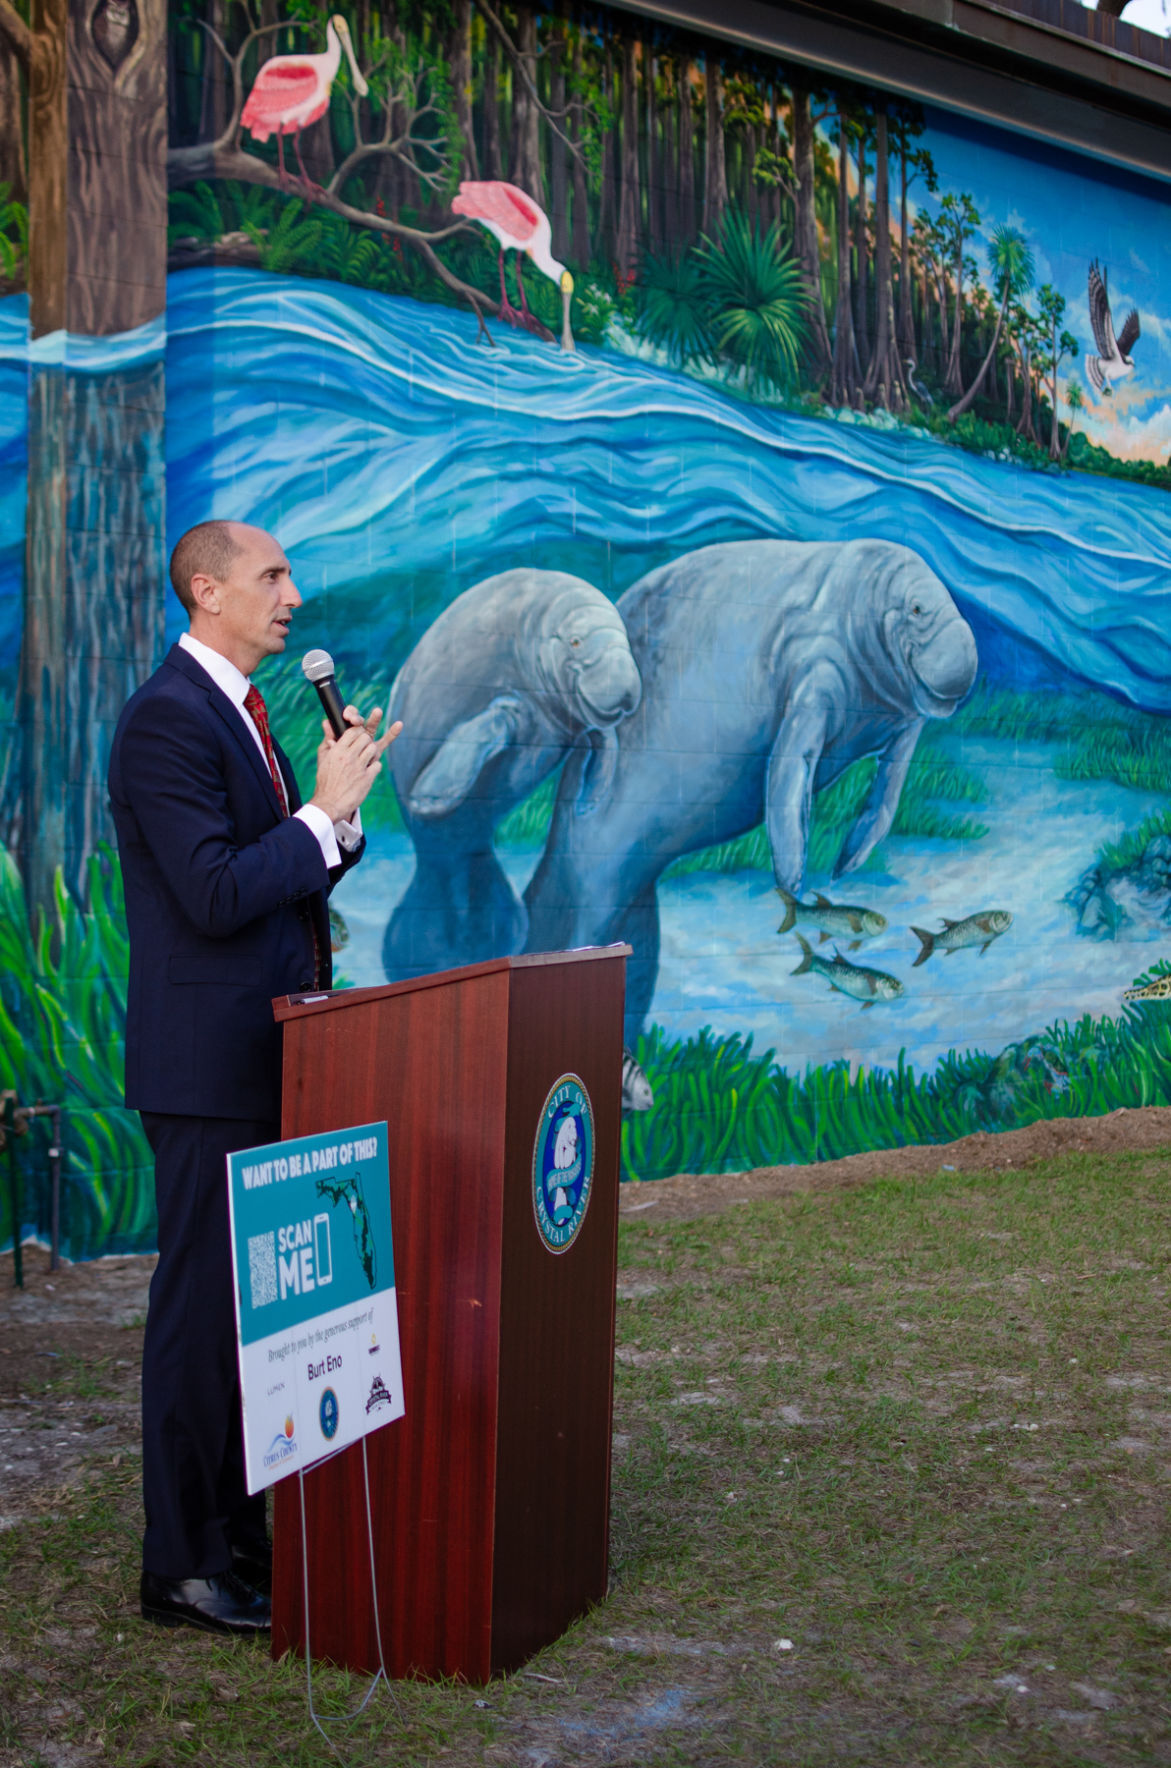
x=349, y=759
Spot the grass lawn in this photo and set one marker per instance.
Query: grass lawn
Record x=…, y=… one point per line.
x=890, y=1486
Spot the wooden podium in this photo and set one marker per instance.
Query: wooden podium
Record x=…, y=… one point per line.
x=491, y=1497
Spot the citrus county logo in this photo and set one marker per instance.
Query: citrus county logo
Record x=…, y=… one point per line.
x=563, y=1162
x=282, y=1446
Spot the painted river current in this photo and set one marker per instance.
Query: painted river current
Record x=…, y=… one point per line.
x=400, y=462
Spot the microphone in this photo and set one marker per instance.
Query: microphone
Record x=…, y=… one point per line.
x=318, y=667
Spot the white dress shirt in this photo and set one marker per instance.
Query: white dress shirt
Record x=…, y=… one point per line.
x=228, y=679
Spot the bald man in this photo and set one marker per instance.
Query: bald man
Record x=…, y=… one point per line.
x=226, y=875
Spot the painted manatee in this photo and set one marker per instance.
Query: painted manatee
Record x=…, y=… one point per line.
x=516, y=672
x=767, y=667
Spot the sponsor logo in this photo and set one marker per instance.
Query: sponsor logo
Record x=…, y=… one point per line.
x=328, y=1413
x=563, y=1163
x=379, y=1395
x=282, y=1446
x=278, y=1387
x=373, y=1347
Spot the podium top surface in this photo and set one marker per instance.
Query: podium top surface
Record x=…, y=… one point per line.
x=297, y=1006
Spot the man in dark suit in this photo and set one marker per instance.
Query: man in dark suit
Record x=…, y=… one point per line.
x=226, y=877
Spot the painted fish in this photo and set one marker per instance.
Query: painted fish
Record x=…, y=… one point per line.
x=1157, y=990
x=864, y=985
x=833, y=920
x=979, y=930
x=637, y=1093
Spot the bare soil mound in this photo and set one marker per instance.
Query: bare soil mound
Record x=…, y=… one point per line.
x=688, y=1195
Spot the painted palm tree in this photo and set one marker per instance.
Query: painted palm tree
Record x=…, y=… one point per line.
x=758, y=299
x=1013, y=271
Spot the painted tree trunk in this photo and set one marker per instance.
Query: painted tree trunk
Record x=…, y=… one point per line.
x=461, y=84
x=651, y=184
x=885, y=379
x=715, y=184
x=944, y=334
x=1025, y=426
x=607, y=205
x=93, y=587
x=525, y=150
x=906, y=312
x=581, y=201
x=215, y=99
x=493, y=162
x=805, y=222
x=48, y=163
x=94, y=569
x=667, y=191
x=686, y=180
x=15, y=167
x=558, y=152
x=963, y=404
x=317, y=153
x=629, y=204
x=862, y=262
x=842, y=384
x=772, y=195
x=954, y=381
x=715, y=177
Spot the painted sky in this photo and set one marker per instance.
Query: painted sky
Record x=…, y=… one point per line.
x=1073, y=210
x=1146, y=15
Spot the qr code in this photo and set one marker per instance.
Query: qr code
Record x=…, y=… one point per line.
x=262, y=1268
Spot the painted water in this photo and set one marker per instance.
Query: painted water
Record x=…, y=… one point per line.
x=723, y=963
x=400, y=462
x=386, y=448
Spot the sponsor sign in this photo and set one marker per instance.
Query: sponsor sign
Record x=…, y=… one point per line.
x=316, y=1315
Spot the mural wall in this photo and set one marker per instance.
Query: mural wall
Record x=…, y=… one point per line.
x=751, y=492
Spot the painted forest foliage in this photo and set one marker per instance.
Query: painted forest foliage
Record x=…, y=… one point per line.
x=743, y=220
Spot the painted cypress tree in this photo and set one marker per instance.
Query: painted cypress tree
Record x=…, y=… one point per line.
x=885, y=378
x=715, y=183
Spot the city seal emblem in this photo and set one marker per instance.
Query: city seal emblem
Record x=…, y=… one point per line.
x=563, y=1163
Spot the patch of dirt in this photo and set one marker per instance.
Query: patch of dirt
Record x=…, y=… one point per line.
x=71, y=1339
x=70, y=1346
x=70, y=1349
x=689, y=1195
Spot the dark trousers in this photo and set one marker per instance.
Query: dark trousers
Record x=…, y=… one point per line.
x=194, y=1493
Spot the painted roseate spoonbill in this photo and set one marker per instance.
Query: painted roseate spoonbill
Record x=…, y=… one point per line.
x=518, y=224
x=292, y=91
x=1113, y=361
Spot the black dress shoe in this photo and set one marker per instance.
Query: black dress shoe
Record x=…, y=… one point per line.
x=254, y=1566
x=219, y=1604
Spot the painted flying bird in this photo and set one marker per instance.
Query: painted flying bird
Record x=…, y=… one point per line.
x=292, y=91
x=517, y=224
x=1113, y=361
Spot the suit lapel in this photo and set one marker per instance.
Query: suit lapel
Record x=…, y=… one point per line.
x=233, y=719
x=288, y=776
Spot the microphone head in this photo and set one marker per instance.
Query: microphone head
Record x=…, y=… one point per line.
x=318, y=666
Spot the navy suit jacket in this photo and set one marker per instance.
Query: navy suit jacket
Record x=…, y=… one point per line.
x=222, y=895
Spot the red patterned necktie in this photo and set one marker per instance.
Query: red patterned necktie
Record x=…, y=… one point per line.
x=258, y=712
